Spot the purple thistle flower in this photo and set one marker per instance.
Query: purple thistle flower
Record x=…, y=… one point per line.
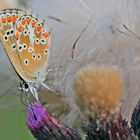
x=37, y=115
x=45, y=127
x=119, y=129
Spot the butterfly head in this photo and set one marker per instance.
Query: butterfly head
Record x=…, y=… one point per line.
x=23, y=86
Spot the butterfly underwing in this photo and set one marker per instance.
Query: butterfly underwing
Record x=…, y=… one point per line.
x=26, y=44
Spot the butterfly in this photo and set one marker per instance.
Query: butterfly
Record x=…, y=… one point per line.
x=27, y=45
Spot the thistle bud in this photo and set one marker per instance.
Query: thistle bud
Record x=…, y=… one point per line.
x=135, y=120
x=110, y=128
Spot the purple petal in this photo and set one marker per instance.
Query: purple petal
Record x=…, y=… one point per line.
x=37, y=115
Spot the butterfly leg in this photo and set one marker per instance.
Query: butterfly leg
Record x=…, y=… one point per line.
x=47, y=87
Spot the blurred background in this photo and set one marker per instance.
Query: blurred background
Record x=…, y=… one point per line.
x=12, y=111
x=105, y=41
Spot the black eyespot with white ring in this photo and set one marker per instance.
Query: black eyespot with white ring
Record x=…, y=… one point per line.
x=24, y=46
x=26, y=61
x=27, y=17
x=12, y=32
x=8, y=14
x=8, y=33
x=43, y=41
x=39, y=56
x=22, y=18
x=14, y=14
x=43, y=31
x=25, y=32
x=13, y=47
x=30, y=49
x=38, y=24
x=33, y=56
x=46, y=51
x=33, y=20
x=6, y=38
x=20, y=48
x=37, y=41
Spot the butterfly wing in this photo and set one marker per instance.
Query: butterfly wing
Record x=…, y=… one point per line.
x=7, y=25
x=26, y=43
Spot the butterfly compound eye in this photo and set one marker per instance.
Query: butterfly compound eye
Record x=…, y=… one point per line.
x=26, y=85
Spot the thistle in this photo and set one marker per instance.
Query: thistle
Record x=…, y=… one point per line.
x=113, y=128
x=99, y=90
x=135, y=120
x=44, y=126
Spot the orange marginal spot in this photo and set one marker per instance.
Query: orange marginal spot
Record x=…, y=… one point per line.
x=23, y=21
x=45, y=35
x=28, y=20
x=14, y=18
x=9, y=18
x=16, y=36
x=47, y=46
x=34, y=23
x=39, y=28
x=3, y=20
x=19, y=28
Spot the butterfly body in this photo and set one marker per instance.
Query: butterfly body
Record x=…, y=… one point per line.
x=26, y=44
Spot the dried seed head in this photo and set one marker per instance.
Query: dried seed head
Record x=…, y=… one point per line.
x=98, y=89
